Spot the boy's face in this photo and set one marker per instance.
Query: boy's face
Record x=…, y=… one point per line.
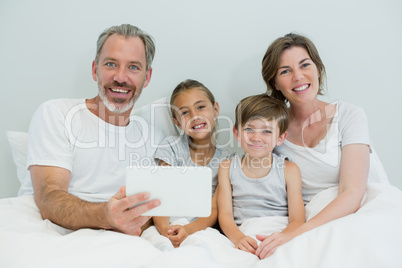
x=258, y=137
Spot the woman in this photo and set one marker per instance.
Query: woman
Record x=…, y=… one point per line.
x=328, y=141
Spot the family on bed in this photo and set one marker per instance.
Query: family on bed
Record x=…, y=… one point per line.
x=295, y=146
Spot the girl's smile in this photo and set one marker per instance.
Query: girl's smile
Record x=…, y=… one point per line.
x=195, y=114
x=199, y=126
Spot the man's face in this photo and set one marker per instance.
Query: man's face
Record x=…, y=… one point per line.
x=121, y=72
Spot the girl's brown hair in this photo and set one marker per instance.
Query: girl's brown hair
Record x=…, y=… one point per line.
x=187, y=85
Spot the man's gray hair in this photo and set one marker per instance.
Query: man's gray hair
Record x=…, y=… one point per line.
x=127, y=31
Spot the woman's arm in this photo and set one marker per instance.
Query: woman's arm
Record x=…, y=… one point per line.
x=355, y=161
x=295, y=213
x=225, y=207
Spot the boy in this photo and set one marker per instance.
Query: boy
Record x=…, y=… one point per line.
x=259, y=183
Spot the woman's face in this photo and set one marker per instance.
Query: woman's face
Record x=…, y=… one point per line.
x=297, y=76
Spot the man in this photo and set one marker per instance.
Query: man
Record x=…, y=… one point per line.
x=79, y=149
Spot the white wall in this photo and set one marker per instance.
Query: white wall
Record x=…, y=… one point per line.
x=47, y=48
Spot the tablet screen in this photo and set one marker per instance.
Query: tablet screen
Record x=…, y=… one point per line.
x=183, y=191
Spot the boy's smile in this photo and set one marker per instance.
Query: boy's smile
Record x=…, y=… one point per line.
x=259, y=137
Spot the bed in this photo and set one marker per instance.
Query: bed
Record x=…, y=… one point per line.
x=371, y=237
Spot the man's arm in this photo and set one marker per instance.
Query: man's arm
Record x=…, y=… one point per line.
x=355, y=163
x=56, y=204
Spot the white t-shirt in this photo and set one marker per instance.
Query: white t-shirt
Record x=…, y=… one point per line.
x=320, y=165
x=64, y=133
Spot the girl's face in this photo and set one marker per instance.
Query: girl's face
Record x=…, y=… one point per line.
x=297, y=76
x=195, y=114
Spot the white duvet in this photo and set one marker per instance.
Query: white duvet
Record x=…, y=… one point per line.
x=371, y=237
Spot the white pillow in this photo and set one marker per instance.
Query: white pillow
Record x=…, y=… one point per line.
x=157, y=113
x=19, y=146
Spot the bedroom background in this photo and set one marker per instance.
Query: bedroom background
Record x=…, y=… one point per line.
x=47, y=48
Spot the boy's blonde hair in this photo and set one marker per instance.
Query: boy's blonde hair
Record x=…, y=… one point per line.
x=262, y=106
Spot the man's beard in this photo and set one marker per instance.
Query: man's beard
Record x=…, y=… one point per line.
x=111, y=106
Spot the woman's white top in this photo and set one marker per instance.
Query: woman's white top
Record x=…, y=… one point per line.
x=320, y=166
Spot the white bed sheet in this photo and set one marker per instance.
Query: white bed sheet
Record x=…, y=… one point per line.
x=371, y=237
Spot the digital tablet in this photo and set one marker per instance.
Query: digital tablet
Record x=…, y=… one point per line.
x=183, y=191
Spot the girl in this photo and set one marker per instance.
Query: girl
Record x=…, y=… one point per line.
x=194, y=110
